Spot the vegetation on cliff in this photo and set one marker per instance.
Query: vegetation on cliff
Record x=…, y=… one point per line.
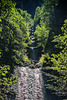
x=50, y=22
x=14, y=39
x=51, y=36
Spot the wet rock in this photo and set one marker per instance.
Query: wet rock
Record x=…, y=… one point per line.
x=29, y=84
x=37, y=65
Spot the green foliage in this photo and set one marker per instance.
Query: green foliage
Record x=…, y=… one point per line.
x=56, y=65
x=45, y=16
x=6, y=6
x=42, y=22
x=27, y=17
x=45, y=60
x=41, y=33
x=14, y=40
x=6, y=82
x=61, y=40
x=53, y=39
x=37, y=16
x=44, y=12
x=51, y=2
x=14, y=35
x=41, y=14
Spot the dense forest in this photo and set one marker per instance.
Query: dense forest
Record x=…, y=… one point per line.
x=49, y=18
x=51, y=33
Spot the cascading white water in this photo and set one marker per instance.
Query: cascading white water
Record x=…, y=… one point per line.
x=32, y=48
x=30, y=84
x=33, y=52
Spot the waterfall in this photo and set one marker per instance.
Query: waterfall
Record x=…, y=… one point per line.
x=30, y=84
x=32, y=48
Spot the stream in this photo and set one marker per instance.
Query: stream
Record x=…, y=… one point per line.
x=31, y=84
x=33, y=50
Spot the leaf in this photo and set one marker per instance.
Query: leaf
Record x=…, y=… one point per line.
x=3, y=74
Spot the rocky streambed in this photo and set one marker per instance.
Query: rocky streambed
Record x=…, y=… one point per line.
x=30, y=84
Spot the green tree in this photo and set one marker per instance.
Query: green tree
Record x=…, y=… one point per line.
x=42, y=34
x=6, y=82
x=45, y=16
x=14, y=37
x=14, y=40
x=55, y=65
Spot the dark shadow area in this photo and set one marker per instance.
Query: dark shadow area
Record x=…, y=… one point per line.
x=47, y=93
x=29, y=5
